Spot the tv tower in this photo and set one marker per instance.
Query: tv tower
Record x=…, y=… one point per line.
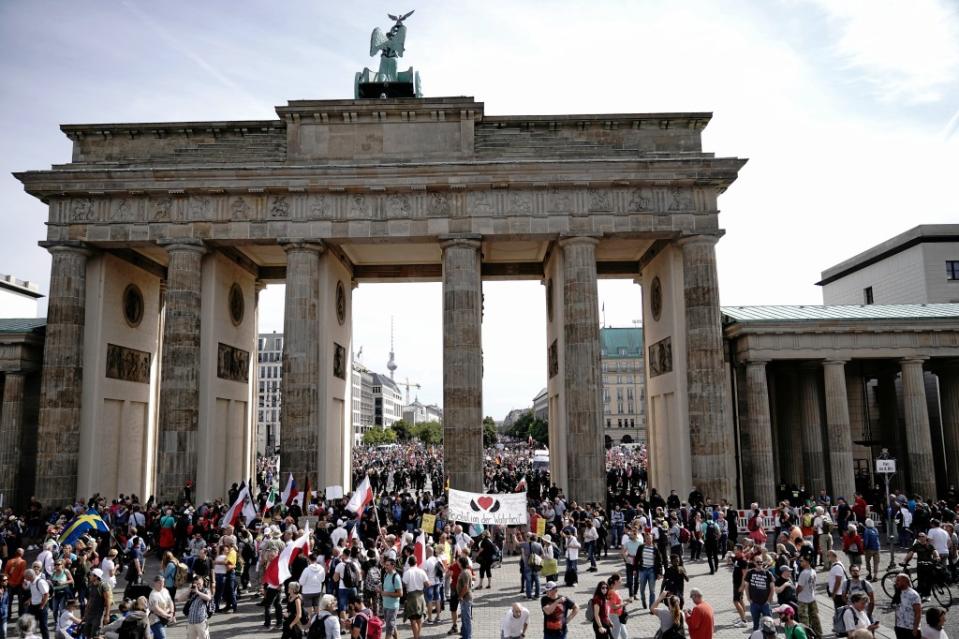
x=391, y=365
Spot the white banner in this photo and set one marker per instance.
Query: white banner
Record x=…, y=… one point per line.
x=508, y=509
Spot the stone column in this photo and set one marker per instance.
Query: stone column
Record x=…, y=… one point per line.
x=710, y=432
x=762, y=487
x=61, y=386
x=11, y=429
x=922, y=470
x=299, y=403
x=949, y=396
x=180, y=375
x=582, y=377
x=463, y=362
x=838, y=430
x=811, y=424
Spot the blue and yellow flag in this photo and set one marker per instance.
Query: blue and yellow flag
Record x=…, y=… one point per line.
x=80, y=526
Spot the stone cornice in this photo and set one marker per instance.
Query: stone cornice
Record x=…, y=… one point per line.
x=96, y=179
x=163, y=129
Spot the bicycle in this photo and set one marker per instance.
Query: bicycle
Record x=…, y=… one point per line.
x=940, y=589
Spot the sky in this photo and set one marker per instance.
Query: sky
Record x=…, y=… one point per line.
x=846, y=110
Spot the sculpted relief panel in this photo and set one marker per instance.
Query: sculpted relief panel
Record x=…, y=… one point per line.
x=674, y=208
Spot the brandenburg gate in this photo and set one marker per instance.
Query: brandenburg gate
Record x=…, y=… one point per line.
x=162, y=234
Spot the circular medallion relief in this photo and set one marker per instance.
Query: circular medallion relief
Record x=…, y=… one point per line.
x=656, y=298
x=549, y=300
x=133, y=305
x=340, y=303
x=237, y=304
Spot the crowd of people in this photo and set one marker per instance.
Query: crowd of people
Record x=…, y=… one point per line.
x=320, y=568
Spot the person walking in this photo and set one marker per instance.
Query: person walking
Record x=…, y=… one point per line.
x=629, y=549
x=758, y=584
x=392, y=591
x=806, y=595
x=908, y=606
x=700, y=618
x=293, y=620
x=787, y=616
x=600, y=605
x=870, y=543
x=836, y=579
x=464, y=590
x=649, y=568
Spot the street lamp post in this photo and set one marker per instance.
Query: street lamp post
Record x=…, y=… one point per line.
x=887, y=468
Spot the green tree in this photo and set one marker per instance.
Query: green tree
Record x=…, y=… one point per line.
x=520, y=427
x=539, y=431
x=430, y=433
x=489, y=431
x=377, y=436
x=404, y=431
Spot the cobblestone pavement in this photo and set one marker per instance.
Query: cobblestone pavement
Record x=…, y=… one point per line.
x=491, y=605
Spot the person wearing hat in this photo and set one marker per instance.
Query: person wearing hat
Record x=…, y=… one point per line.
x=99, y=602
x=557, y=612
x=785, y=588
x=766, y=629
x=788, y=618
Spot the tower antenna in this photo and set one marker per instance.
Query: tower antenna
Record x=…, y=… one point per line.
x=391, y=365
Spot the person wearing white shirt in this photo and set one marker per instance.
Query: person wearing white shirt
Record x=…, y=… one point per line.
x=935, y=620
x=162, y=610
x=46, y=559
x=311, y=584
x=855, y=617
x=339, y=533
x=939, y=538
x=514, y=622
x=836, y=578
x=415, y=581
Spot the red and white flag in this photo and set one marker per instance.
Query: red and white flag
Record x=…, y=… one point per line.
x=242, y=506
x=419, y=550
x=293, y=549
x=362, y=498
x=521, y=486
x=290, y=492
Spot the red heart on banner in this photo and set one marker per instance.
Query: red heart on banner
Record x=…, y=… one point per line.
x=485, y=502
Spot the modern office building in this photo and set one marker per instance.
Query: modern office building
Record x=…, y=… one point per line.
x=387, y=401
x=362, y=399
x=18, y=298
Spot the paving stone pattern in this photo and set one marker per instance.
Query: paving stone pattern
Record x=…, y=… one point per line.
x=491, y=605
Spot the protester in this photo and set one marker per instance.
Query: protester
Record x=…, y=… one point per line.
x=161, y=607
x=700, y=618
x=908, y=609
x=935, y=621
x=558, y=611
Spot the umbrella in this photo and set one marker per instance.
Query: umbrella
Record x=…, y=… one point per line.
x=80, y=526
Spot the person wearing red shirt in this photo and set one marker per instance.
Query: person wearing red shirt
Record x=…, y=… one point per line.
x=859, y=507
x=852, y=545
x=699, y=618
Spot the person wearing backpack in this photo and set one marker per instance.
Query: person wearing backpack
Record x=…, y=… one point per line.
x=391, y=591
x=364, y=624
x=346, y=576
x=793, y=630
x=870, y=542
x=325, y=624
x=847, y=619
x=711, y=545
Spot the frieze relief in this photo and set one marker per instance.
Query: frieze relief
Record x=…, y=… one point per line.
x=232, y=363
x=128, y=364
x=379, y=205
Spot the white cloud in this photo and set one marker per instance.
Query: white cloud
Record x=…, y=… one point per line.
x=908, y=51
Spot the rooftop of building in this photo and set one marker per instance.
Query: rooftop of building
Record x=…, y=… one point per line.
x=13, y=325
x=384, y=380
x=842, y=312
x=621, y=342
x=23, y=287
x=917, y=235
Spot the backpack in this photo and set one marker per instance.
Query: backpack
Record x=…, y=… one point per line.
x=683, y=536
x=182, y=575
x=372, y=580
x=810, y=633
x=590, y=613
x=318, y=627
x=438, y=569
x=839, y=621
x=712, y=531
x=826, y=524
x=374, y=625
x=350, y=576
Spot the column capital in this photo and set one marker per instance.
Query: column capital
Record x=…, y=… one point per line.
x=67, y=246
x=184, y=245
x=697, y=239
x=913, y=361
x=466, y=240
x=835, y=362
x=293, y=246
x=756, y=361
x=572, y=240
